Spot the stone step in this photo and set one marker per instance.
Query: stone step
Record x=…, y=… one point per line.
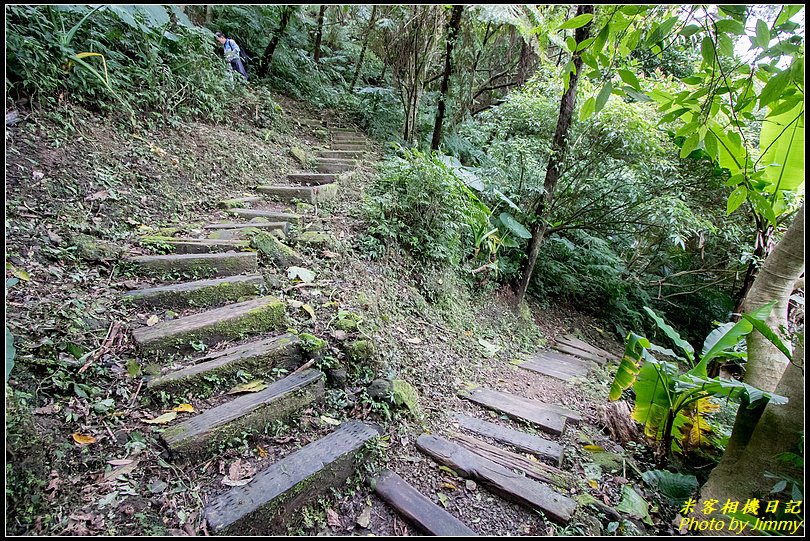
x=272, y=215
x=307, y=194
x=231, y=322
x=335, y=168
x=359, y=147
x=200, y=265
x=247, y=225
x=546, y=416
x=528, y=443
x=348, y=140
x=238, y=202
x=198, y=293
x=256, y=357
x=413, y=505
x=251, y=412
x=314, y=179
x=344, y=154
x=182, y=245
x=565, y=369
x=266, y=504
x=338, y=161
x=497, y=478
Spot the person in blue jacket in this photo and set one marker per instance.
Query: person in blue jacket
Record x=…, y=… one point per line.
x=231, y=50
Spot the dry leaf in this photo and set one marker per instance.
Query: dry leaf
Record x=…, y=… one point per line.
x=593, y=484
x=364, y=520
x=234, y=472
x=449, y=486
x=119, y=462
x=37, y=175
x=83, y=439
x=309, y=310
x=414, y=340
x=250, y=387
x=330, y=255
x=330, y=421
x=101, y=195
x=594, y=448
x=231, y=483
x=340, y=335
x=152, y=320
x=123, y=470
x=262, y=452
x=163, y=419
x=333, y=520
x=47, y=410
x=184, y=408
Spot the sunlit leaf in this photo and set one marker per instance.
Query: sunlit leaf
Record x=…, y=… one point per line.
x=162, y=419
x=83, y=439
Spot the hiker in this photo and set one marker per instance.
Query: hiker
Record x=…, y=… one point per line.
x=232, y=54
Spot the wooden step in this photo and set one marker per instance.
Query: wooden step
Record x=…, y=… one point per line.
x=338, y=161
x=349, y=141
x=201, y=265
x=264, y=505
x=553, y=366
x=581, y=344
x=246, y=225
x=348, y=146
x=312, y=122
x=546, y=416
x=497, y=478
x=413, y=505
x=308, y=194
x=238, y=202
x=528, y=443
x=272, y=215
x=256, y=357
x=203, y=246
x=251, y=412
x=231, y=322
x=313, y=179
x=198, y=293
x=334, y=168
x=350, y=154
x=565, y=348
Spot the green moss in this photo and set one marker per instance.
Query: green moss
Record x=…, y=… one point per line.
x=405, y=395
x=278, y=252
x=359, y=352
x=93, y=249
x=348, y=321
x=314, y=237
x=312, y=344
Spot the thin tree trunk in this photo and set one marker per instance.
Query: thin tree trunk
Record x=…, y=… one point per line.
x=359, y=65
x=316, y=54
x=209, y=13
x=783, y=266
x=559, y=147
x=271, y=47
x=452, y=31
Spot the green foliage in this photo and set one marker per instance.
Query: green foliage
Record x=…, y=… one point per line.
x=672, y=406
x=154, y=60
x=11, y=351
x=676, y=487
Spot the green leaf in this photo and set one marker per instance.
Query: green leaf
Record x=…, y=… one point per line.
x=305, y=275
x=689, y=30
x=634, y=505
x=577, y=22
x=630, y=78
x=730, y=26
x=774, y=88
x=714, y=336
x=514, y=226
x=690, y=144
x=763, y=38
x=602, y=97
x=601, y=39
x=730, y=339
x=677, y=487
x=737, y=198
x=584, y=44
x=654, y=389
x=587, y=109
x=672, y=334
x=630, y=365
x=768, y=333
x=707, y=50
x=782, y=142
x=11, y=352
x=710, y=144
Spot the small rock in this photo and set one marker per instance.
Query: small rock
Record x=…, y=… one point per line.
x=470, y=484
x=380, y=389
x=336, y=377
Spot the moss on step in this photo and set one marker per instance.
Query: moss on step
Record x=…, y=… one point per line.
x=359, y=352
x=405, y=395
x=314, y=237
x=278, y=252
x=93, y=249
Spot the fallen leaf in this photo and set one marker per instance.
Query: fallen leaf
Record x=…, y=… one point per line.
x=234, y=472
x=101, y=195
x=340, y=335
x=594, y=448
x=83, y=439
x=47, y=410
x=54, y=238
x=364, y=520
x=152, y=320
x=449, y=486
x=130, y=284
x=330, y=421
x=593, y=484
x=119, y=462
x=333, y=520
x=184, y=408
x=240, y=483
x=157, y=486
x=295, y=304
x=305, y=275
x=123, y=470
x=262, y=452
x=443, y=499
x=20, y=273
x=250, y=387
x=37, y=175
x=309, y=310
x=330, y=255
x=414, y=340
x=448, y=470
x=163, y=419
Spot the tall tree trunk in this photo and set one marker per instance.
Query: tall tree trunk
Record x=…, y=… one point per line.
x=209, y=13
x=775, y=281
x=371, y=21
x=740, y=475
x=452, y=31
x=559, y=146
x=286, y=12
x=316, y=54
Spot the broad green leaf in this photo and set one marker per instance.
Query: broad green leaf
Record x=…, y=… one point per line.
x=714, y=336
x=11, y=352
x=730, y=26
x=630, y=365
x=737, y=198
x=763, y=34
x=602, y=97
x=584, y=45
x=601, y=39
x=782, y=142
x=689, y=30
x=654, y=388
x=774, y=87
x=707, y=50
x=730, y=388
x=577, y=22
x=587, y=109
x=768, y=333
x=762, y=206
x=672, y=334
x=629, y=78
x=634, y=505
x=690, y=144
x=305, y=275
x=677, y=487
x=517, y=228
x=710, y=145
